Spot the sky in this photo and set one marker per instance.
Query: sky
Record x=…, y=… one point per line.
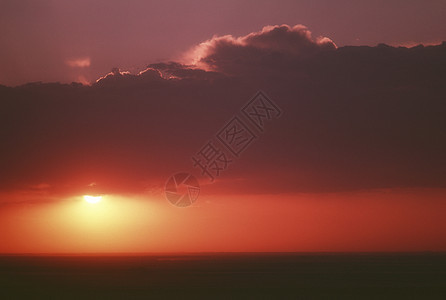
x=326, y=121
x=65, y=41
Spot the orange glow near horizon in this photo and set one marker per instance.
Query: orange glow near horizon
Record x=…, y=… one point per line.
x=395, y=220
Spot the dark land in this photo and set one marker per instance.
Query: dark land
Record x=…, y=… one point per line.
x=225, y=276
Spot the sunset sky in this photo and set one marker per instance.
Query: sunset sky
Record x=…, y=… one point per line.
x=111, y=98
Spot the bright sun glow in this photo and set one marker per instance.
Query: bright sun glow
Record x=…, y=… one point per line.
x=92, y=199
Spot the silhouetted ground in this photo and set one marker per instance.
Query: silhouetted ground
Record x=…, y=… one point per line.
x=225, y=276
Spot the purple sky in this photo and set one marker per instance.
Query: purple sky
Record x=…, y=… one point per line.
x=45, y=40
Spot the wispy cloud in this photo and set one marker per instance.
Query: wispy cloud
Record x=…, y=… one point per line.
x=83, y=62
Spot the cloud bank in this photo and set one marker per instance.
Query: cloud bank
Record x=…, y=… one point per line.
x=353, y=118
x=226, y=53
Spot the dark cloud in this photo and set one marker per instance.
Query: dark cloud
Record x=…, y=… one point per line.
x=353, y=118
x=271, y=46
x=174, y=70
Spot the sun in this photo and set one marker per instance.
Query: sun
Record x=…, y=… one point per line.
x=92, y=199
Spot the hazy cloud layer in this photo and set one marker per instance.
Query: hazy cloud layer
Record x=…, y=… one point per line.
x=353, y=118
